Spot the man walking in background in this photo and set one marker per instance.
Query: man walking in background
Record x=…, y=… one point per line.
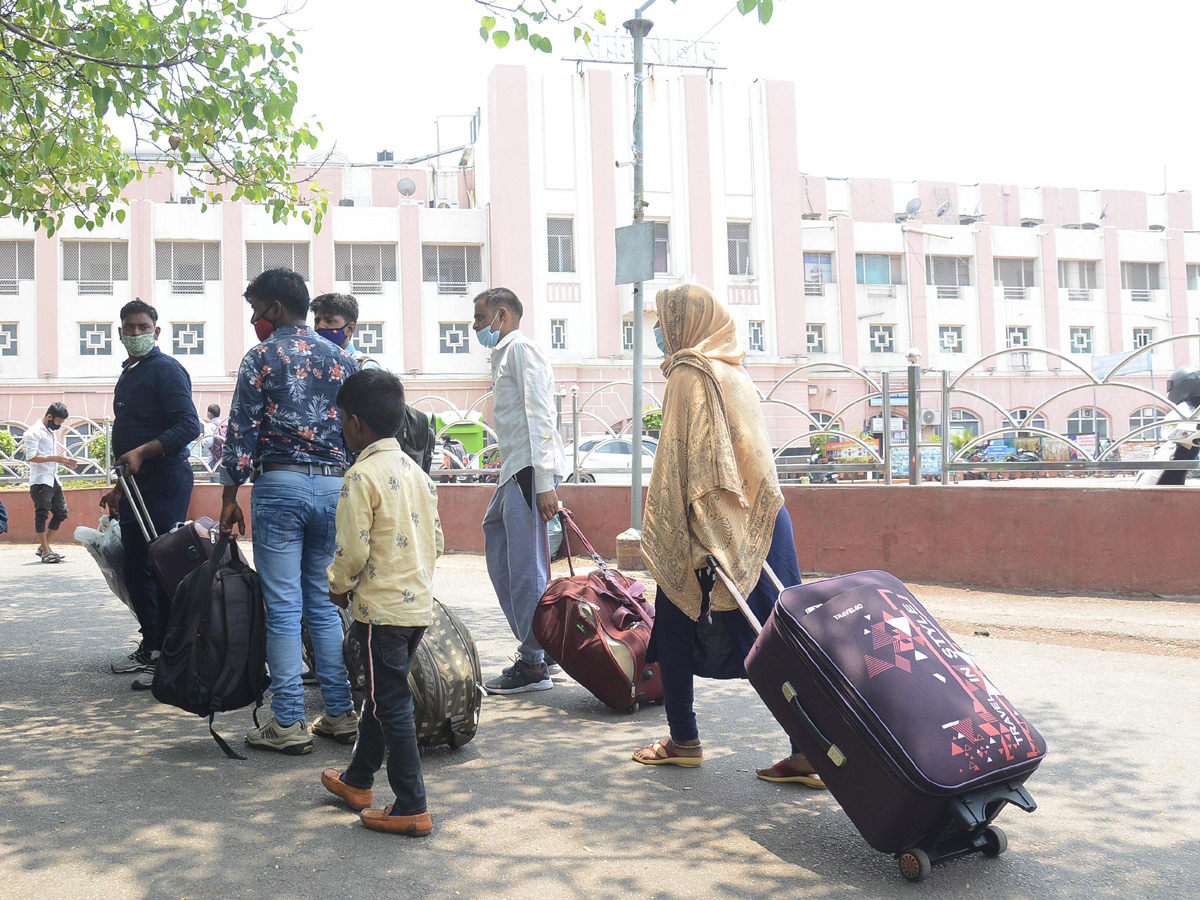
x=45, y=489
x=532, y=462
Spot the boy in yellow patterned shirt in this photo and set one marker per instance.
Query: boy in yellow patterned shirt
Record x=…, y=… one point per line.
x=388, y=537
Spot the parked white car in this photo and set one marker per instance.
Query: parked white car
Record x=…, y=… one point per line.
x=599, y=454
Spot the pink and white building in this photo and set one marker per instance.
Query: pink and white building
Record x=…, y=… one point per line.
x=814, y=268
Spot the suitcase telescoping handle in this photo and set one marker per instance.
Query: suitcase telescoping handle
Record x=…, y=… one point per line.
x=132, y=493
x=737, y=595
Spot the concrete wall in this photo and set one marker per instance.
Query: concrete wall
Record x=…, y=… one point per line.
x=1078, y=539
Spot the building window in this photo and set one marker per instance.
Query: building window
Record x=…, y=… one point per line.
x=558, y=334
x=948, y=274
x=187, y=264
x=662, y=248
x=950, y=338
x=878, y=268
x=187, y=338
x=818, y=272
x=1021, y=417
x=738, y=241
x=454, y=337
x=560, y=244
x=452, y=266
x=365, y=266
x=1014, y=273
x=95, y=265
x=1147, y=415
x=1081, y=339
x=1140, y=278
x=1193, y=277
x=8, y=338
x=963, y=421
x=757, y=342
x=261, y=256
x=1018, y=336
x=627, y=336
x=95, y=339
x=1078, y=275
x=368, y=338
x=1142, y=337
x=1087, y=421
x=816, y=338
x=16, y=265
x=883, y=338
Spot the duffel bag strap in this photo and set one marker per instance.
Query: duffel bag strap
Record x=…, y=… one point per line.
x=568, y=519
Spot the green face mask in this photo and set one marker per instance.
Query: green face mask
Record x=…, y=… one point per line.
x=138, y=345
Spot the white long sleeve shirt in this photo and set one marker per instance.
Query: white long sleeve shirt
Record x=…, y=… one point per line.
x=40, y=441
x=523, y=403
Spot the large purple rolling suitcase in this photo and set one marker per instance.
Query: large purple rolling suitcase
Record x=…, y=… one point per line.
x=919, y=748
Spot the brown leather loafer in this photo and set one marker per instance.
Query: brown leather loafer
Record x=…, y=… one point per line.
x=356, y=798
x=383, y=820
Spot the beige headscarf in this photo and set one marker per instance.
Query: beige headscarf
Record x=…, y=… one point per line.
x=713, y=488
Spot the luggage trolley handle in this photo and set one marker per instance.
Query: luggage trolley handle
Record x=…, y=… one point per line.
x=141, y=514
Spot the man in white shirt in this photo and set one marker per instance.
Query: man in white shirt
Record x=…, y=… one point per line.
x=41, y=452
x=532, y=462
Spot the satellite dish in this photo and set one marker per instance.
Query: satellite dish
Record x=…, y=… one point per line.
x=914, y=206
x=943, y=209
x=406, y=186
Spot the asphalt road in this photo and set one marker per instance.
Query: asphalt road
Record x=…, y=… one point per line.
x=109, y=795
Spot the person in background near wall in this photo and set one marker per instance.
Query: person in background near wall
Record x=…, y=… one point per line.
x=214, y=435
x=532, y=462
x=45, y=488
x=154, y=421
x=713, y=491
x=335, y=318
x=285, y=430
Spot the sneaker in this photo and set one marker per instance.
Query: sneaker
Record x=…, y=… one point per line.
x=519, y=678
x=294, y=740
x=145, y=680
x=553, y=669
x=343, y=728
x=139, y=660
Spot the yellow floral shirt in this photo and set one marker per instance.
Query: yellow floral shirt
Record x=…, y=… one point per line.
x=388, y=537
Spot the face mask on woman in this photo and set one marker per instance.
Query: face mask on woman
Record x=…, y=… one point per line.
x=660, y=340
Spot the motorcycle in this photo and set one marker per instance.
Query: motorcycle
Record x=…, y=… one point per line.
x=1183, y=442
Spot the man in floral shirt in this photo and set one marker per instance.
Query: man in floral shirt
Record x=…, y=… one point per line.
x=284, y=432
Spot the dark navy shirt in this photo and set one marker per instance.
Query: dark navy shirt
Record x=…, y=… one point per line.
x=284, y=407
x=153, y=399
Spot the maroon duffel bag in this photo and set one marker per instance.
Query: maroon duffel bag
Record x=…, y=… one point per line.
x=597, y=626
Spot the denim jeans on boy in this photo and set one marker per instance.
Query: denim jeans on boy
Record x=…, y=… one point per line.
x=293, y=527
x=387, y=722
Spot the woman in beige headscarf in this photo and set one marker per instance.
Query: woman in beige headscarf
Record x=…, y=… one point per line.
x=713, y=491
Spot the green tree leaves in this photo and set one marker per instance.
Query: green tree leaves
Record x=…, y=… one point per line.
x=205, y=87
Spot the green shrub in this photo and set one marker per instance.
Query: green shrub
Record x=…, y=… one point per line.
x=652, y=420
x=96, y=448
x=8, y=443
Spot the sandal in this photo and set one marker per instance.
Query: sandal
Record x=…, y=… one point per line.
x=51, y=557
x=783, y=772
x=662, y=753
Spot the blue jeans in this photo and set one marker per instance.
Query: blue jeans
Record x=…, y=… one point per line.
x=387, y=717
x=293, y=527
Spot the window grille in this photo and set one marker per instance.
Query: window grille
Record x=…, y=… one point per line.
x=454, y=337
x=187, y=339
x=818, y=268
x=365, y=266
x=815, y=335
x=662, y=249
x=95, y=265
x=878, y=269
x=95, y=338
x=8, y=338
x=950, y=338
x=368, y=338
x=757, y=342
x=187, y=264
x=1018, y=336
x=452, y=266
x=16, y=265
x=738, y=243
x=1140, y=277
x=262, y=255
x=558, y=334
x=948, y=271
x=1081, y=339
x=560, y=245
x=883, y=338
x=627, y=336
x=1143, y=337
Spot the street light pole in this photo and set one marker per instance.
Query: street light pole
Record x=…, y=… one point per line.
x=914, y=416
x=639, y=28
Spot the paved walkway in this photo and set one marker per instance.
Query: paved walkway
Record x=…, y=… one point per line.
x=109, y=795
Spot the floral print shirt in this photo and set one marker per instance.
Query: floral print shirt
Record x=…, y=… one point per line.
x=284, y=408
x=389, y=535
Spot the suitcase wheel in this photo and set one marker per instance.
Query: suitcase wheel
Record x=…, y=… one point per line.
x=631, y=710
x=914, y=864
x=995, y=841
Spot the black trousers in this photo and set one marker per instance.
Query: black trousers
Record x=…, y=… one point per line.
x=47, y=499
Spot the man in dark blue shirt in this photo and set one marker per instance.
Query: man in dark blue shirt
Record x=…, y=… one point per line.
x=154, y=420
x=284, y=429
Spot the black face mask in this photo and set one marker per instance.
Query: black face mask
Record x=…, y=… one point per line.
x=53, y=426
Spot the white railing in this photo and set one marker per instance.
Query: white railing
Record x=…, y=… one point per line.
x=185, y=287
x=9, y=287
x=881, y=291
x=367, y=287
x=1015, y=293
x=458, y=288
x=562, y=292
x=1141, y=296
x=746, y=294
x=814, y=289
x=1081, y=295
x=949, y=292
x=95, y=287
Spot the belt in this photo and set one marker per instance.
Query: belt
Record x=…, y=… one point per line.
x=305, y=469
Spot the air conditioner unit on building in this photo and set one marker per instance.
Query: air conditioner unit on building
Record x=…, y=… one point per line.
x=931, y=417
x=346, y=201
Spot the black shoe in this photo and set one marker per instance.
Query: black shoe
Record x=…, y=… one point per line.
x=145, y=680
x=139, y=660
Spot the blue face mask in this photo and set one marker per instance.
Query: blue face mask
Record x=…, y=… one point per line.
x=489, y=337
x=333, y=335
x=660, y=340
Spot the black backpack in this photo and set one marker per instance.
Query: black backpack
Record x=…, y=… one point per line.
x=416, y=437
x=214, y=655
